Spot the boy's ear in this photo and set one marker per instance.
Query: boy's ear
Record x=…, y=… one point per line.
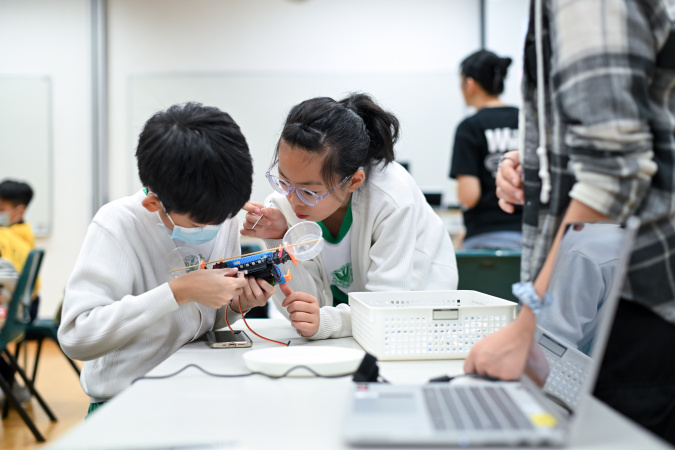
x=151, y=203
x=20, y=211
x=357, y=180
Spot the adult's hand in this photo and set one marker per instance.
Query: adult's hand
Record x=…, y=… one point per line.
x=504, y=353
x=509, y=183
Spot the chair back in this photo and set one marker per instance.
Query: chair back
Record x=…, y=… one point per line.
x=489, y=271
x=15, y=325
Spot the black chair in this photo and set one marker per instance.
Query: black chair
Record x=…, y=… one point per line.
x=489, y=271
x=12, y=331
x=39, y=330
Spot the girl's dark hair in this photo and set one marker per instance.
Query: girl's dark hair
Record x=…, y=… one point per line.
x=352, y=132
x=488, y=69
x=197, y=161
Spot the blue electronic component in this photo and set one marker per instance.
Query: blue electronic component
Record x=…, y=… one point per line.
x=263, y=265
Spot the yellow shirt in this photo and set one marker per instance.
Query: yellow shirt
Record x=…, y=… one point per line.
x=25, y=232
x=15, y=249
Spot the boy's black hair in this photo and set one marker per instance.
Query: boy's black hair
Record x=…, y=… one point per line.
x=17, y=192
x=197, y=161
x=353, y=132
x=488, y=69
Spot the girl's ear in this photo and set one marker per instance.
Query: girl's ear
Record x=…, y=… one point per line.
x=151, y=202
x=470, y=86
x=357, y=180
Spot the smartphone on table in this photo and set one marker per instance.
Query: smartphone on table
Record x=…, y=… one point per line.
x=228, y=339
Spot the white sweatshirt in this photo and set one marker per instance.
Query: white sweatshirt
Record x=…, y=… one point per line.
x=119, y=313
x=398, y=243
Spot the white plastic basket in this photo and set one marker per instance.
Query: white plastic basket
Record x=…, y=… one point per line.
x=425, y=324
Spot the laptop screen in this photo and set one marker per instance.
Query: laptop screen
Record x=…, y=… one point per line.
x=585, y=285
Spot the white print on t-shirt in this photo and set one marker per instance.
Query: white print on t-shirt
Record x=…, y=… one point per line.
x=501, y=139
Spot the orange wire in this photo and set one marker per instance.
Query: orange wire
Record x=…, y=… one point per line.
x=244, y=319
x=227, y=321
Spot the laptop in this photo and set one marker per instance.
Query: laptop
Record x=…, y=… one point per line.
x=469, y=411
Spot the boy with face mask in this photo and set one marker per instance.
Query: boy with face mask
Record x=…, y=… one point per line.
x=124, y=312
x=16, y=235
x=15, y=196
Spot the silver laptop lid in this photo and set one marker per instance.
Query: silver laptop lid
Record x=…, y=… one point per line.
x=586, y=284
x=400, y=415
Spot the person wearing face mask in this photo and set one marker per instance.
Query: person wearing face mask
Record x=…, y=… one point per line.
x=15, y=196
x=124, y=312
x=334, y=165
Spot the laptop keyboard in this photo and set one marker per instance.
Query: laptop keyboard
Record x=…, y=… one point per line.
x=473, y=408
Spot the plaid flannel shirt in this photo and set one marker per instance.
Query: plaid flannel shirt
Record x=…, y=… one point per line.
x=610, y=114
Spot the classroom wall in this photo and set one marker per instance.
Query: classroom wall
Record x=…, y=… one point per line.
x=215, y=37
x=505, y=30
x=51, y=38
x=230, y=39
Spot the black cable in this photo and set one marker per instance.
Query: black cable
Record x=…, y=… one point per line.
x=446, y=378
x=240, y=375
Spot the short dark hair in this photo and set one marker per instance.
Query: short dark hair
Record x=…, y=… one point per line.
x=488, y=69
x=197, y=161
x=353, y=132
x=17, y=192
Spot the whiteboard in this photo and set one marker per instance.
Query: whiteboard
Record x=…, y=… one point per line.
x=26, y=143
x=428, y=106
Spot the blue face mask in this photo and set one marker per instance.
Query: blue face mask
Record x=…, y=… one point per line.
x=195, y=235
x=5, y=221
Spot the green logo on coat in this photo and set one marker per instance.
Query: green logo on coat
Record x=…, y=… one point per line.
x=343, y=277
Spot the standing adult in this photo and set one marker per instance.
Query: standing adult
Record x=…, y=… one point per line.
x=599, y=111
x=480, y=142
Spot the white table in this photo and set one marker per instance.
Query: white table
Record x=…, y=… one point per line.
x=256, y=412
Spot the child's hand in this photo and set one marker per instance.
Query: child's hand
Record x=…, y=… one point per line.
x=303, y=310
x=210, y=287
x=255, y=293
x=272, y=226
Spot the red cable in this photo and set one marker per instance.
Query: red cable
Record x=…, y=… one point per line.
x=246, y=323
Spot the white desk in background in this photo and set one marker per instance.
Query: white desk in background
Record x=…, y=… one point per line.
x=259, y=413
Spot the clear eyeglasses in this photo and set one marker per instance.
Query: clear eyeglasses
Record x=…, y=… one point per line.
x=307, y=197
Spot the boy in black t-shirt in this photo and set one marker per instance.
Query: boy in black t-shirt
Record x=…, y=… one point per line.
x=480, y=142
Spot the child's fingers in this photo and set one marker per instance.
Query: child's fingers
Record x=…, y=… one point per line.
x=227, y=271
x=265, y=286
x=253, y=287
x=253, y=207
x=286, y=289
x=302, y=305
x=302, y=317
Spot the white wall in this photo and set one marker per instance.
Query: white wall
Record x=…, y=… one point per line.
x=282, y=37
x=505, y=29
x=51, y=38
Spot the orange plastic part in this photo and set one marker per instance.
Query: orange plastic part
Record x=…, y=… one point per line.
x=293, y=258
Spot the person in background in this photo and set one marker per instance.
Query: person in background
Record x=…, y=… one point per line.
x=13, y=254
x=334, y=165
x=599, y=141
x=15, y=196
x=480, y=142
x=124, y=312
